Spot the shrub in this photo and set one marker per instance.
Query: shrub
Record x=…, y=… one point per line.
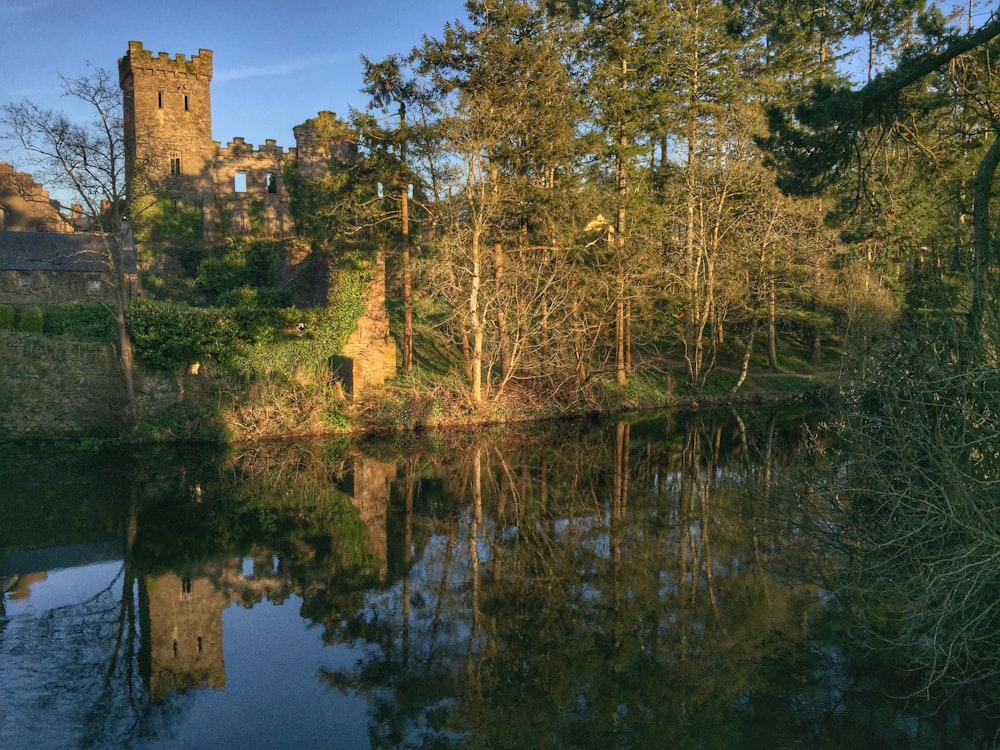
x=169, y=337
x=243, y=266
x=6, y=318
x=920, y=472
x=80, y=322
x=29, y=319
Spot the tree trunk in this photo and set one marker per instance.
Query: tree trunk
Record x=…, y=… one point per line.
x=745, y=366
x=404, y=215
x=621, y=192
x=407, y=282
x=620, y=338
x=116, y=257
x=772, y=333
x=475, y=323
x=628, y=337
x=502, y=333
x=982, y=238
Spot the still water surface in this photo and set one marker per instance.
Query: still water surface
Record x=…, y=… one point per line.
x=665, y=582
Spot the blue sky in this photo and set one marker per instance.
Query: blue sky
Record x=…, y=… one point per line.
x=276, y=62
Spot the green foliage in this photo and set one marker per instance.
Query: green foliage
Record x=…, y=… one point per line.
x=390, y=412
x=29, y=320
x=640, y=390
x=346, y=304
x=186, y=422
x=243, y=265
x=6, y=318
x=170, y=337
x=168, y=223
x=168, y=285
x=81, y=321
x=346, y=199
x=251, y=298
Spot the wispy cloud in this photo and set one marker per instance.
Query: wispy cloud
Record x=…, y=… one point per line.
x=23, y=7
x=276, y=68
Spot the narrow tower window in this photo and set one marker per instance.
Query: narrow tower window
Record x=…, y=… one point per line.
x=186, y=108
x=240, y=182
x=272, y=182
x=159, y=99
x=175, y=162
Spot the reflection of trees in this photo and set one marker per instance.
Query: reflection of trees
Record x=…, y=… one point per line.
x=92, y=645
x=607, y=591
x=97, y=699
x=189, y=524
x=635, y=585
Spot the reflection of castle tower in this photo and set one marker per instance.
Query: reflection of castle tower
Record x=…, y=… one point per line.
x=368, y=486
x=182, y=633
x=182, y=619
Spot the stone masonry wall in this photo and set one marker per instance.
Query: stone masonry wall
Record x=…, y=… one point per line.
x=53, y=287
x=25, y=206
x=370, y=349
x=51, y=388
x=261, y=170
x=168, y=119
x=58, y=388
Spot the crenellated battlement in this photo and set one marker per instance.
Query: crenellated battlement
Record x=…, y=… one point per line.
x=168, y=135
x=140, y=59
x=21, y=182
x=239, y=147
x=26, y=206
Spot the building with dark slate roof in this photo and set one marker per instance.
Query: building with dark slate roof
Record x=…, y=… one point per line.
x=50, y=268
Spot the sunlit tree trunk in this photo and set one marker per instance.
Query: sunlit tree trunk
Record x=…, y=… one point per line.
x=404, y=209
x=621, y=194
x=475, y=323
x=503, y=334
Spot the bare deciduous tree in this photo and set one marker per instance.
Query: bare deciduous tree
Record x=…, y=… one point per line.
x=87, y=160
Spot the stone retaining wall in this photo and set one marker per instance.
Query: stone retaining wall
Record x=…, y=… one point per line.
x=66, y=389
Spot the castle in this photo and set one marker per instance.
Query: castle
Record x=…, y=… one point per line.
x=169, y=155
x=169, y=151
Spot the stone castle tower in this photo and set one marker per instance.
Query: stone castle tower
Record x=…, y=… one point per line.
x=168, y=120
x=169, y=151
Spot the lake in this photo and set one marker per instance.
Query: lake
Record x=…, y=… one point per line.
x=669, y=581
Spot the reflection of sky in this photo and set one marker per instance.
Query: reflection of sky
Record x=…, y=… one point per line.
x=275, y=696
x=53, y=652
x=60, y=588
x=56, y=645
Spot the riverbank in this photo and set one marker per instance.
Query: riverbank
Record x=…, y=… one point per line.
x=412, y=406
x=57, y=390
